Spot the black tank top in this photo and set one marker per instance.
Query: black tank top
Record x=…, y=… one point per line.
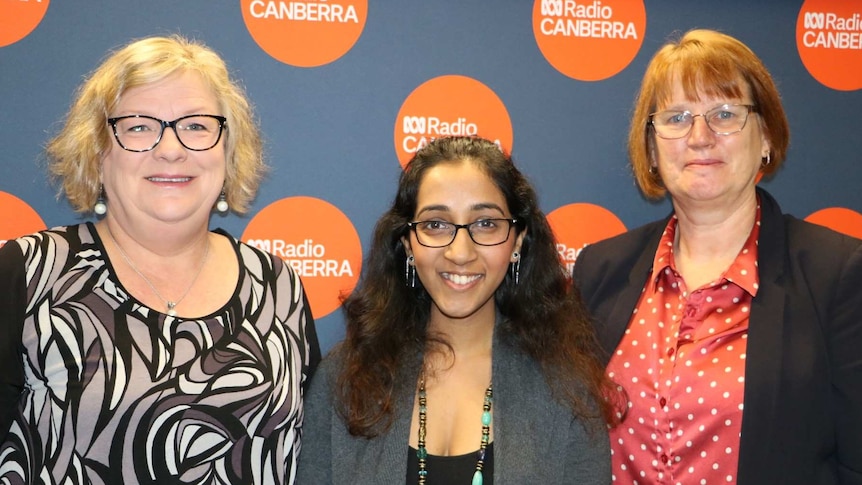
x=451, y=470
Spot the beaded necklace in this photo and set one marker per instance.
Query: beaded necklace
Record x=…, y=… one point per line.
x=422, y=452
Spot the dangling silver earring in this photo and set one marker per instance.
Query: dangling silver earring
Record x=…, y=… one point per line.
x=410, y=272
x=768, y=159
x=653, y=170
x=101, y=206
x=222, y=205
x=515, y=266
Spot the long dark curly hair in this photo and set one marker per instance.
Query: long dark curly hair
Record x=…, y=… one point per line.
x=543, y=314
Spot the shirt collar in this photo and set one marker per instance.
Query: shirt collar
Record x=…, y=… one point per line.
x=742, y=271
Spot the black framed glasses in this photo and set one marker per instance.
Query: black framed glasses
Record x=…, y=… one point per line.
x=484, y=232
x=141, y=133
x=726, y=119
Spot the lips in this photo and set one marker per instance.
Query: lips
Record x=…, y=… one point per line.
x=460, y=279
x=175, y=180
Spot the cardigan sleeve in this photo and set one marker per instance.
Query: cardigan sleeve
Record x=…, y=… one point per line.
x=12, y=304
x=315, y=456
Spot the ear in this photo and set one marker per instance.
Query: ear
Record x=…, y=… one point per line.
x=518, y=242
x=765, y=146
x=407, y=248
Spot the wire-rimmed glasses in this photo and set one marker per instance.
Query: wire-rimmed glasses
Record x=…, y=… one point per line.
x=726, y=119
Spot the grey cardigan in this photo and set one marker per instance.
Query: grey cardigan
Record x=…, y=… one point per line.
x=536, y=439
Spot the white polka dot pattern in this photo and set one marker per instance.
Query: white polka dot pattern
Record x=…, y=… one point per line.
x=681, y=362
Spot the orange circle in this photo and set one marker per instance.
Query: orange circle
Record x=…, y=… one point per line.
x=18, y=218
x=829, y=41
x=450, y=105
x=19, y=18
x=317, y=240
x=309, y=33
x=839, y=219
x=589, y=41
x=577, y=225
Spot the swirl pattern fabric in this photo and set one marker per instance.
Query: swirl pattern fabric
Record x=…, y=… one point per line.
x=116, y=392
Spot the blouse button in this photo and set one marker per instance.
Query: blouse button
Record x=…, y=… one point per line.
x=662, y=402
x=664, y=458
x=670, y=351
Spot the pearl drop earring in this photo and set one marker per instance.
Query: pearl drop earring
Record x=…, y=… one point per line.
x=101, y=206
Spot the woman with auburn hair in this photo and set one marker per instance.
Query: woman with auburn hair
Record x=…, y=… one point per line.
x=734, y=329
x=146, y=348
x=469, y=357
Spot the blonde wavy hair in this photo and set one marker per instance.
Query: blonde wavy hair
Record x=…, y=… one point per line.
x=76, y=152
x=707, y=63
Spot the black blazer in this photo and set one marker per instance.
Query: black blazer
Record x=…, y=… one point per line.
x=802, y=415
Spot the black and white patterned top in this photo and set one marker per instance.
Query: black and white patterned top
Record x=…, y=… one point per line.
x=96, y=388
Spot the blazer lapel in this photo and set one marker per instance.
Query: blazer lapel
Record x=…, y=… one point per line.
x=621, y=313
x=765, y=347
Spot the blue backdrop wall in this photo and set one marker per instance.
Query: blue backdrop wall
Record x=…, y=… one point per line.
x=329, y=128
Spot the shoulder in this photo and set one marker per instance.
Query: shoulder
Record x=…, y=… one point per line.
x=633, y=239
x=614, y=258
x=802, y=234
x=801, y=237
x=52, y=245
x=822, y=253
x=811, y=246
x=320, y=382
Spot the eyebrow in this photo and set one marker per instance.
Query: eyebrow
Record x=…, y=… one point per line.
x=474, y=207
x=678, y=107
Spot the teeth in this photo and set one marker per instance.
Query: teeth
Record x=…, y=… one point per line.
x=460, y=279
x=165, y=179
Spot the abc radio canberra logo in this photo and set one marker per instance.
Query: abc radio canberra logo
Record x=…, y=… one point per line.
x=317, y=240
x=589, y=41
x=577, y=225
x=307, y=33
x=448, y=106
x=829, y=41
x=20, y=17
x=18, y=219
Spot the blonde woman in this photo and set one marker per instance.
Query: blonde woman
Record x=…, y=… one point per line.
x=146, y=348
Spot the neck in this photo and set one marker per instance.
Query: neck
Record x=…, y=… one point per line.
x=162, y=241
x=466, y=337
x=705, y=232
x=708, y=241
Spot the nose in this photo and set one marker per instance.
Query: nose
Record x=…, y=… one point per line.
x=169, y=147
x=700, y=133
x=462, y=249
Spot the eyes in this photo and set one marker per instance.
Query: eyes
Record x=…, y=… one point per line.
x=445, y=227
x=725, y=113
x=437, y=233
x=726, y=119
x=147, y=125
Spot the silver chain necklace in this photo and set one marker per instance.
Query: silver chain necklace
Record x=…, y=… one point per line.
x=171, y=305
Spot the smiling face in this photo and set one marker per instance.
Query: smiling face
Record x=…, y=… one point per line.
x=168, y=183
x=704, y=166
x=462, y=277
